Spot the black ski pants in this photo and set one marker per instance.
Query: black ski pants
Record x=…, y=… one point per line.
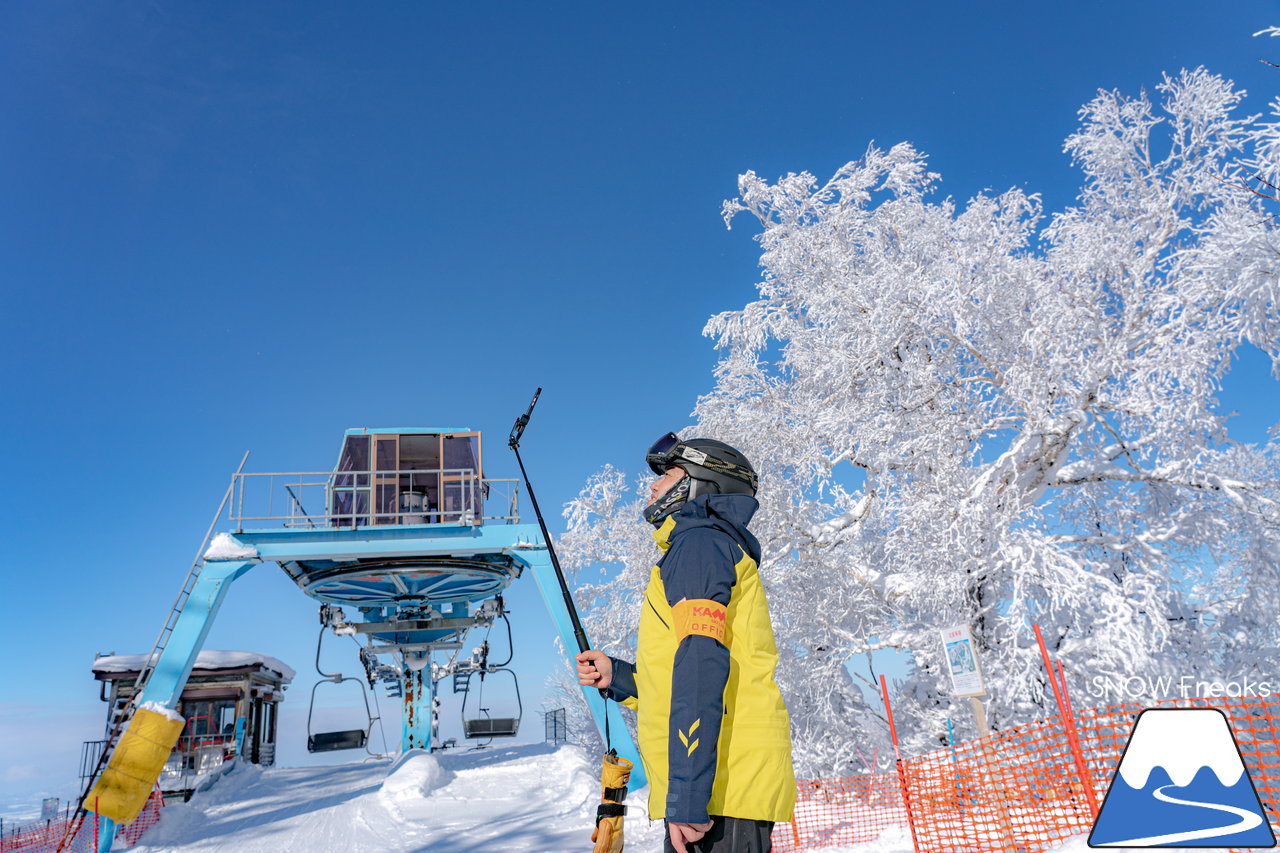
x=730, y=835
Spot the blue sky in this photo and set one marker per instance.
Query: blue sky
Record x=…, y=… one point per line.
x=248, y=226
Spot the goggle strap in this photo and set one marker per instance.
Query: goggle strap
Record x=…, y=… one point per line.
x=720, y=466
x=669, y=448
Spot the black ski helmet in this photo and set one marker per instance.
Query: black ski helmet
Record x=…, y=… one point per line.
x=714, y=468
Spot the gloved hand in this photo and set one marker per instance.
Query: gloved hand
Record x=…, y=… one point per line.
x=614, y=775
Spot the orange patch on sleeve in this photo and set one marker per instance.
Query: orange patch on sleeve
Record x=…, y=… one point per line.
x=700, y=616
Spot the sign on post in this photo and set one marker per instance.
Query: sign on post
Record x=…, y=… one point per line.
x=962, y=663
x=49, y=808
x=966, y=677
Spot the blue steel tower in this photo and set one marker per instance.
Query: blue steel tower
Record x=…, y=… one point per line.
x=407, y=531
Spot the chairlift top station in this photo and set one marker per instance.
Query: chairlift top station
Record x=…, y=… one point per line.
x=405, y=529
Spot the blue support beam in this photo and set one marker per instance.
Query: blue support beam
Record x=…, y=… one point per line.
x=418, y=723
x=539, y=561
x=173, y=667
x=106, y=833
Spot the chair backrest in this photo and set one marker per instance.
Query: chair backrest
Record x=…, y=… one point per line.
x=332, y=741
x=491, y=727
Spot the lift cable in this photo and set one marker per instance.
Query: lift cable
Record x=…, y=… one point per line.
x=511, y=649
x=337, y=740
x=378, y=707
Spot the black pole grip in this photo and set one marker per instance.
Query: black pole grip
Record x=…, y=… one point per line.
x=517, y=429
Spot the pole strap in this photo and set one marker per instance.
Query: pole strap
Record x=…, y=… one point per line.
x=605, y=810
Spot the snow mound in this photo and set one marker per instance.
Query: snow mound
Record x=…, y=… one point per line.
x=226, y=547
x=415, y=775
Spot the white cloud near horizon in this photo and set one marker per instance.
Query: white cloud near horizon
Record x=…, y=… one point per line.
x=40, y=750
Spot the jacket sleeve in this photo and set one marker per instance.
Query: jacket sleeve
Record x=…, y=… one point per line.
x=698, y=574
x=622, y=688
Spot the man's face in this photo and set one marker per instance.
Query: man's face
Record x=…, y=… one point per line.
x=664, y=483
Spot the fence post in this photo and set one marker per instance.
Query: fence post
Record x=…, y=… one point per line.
x=955, y=762
x=1068, y=725
x=1089, y=793
x=988, y=760
x=902, y=773
x=96, y=821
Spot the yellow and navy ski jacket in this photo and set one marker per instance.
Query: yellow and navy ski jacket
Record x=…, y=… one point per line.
x=713, y=730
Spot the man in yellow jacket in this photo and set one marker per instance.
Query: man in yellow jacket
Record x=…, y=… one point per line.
x=713, y=730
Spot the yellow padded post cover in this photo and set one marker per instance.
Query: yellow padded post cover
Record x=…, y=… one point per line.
x=122, y=789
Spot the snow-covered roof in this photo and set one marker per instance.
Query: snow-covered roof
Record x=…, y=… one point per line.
x=208, y=659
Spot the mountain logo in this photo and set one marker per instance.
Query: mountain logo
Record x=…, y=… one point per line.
x=1181, y=782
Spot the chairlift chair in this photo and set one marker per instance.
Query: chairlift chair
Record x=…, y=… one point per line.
x=489, y=726
x=339, y=740
x=344, y=738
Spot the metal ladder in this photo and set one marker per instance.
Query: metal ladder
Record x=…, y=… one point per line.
x=193, y=574
x=122, y=716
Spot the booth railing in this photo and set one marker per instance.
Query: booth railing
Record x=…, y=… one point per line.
x=347, y=499
x=192, y=758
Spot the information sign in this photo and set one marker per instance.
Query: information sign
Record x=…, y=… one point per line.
x=962, y=663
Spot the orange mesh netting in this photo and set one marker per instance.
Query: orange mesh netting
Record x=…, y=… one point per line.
x=46, y=836
x=1016, y=790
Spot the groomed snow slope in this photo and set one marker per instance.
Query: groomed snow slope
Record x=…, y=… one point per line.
x=523, y=799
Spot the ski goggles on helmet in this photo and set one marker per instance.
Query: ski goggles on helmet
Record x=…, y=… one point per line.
x=661, y=453
x=670, y=450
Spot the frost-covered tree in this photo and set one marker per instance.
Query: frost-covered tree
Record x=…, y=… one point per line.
x=561, y=692
x=984, y=414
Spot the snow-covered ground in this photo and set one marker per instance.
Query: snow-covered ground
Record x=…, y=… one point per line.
x=532, y=799
x=524, y=798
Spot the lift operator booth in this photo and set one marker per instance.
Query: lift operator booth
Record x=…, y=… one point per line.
x=230, y=706
x=406, y=531
x=408, y=478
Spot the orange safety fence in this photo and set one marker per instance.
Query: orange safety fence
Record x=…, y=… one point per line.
x=832, y=812
x=51, y=836
x=1018, y=790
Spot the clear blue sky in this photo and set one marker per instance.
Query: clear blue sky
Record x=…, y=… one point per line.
x=250, y=225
